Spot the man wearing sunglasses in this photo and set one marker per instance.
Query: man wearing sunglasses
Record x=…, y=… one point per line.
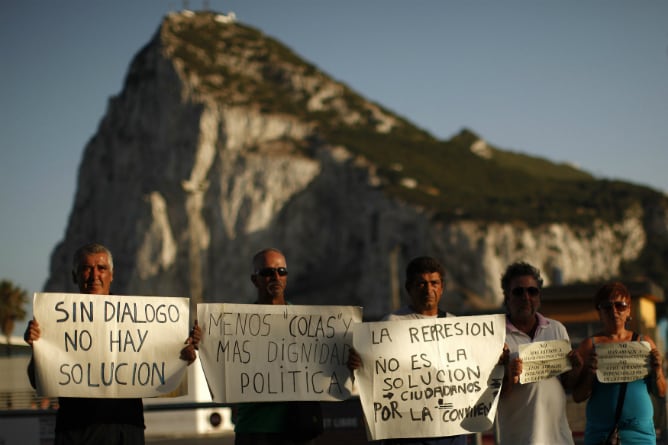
x=273, y=423
x=270, y=276
x=531, y=413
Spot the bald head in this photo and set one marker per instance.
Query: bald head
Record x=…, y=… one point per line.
x=270, y=276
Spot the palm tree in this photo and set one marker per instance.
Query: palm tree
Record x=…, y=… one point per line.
x=12, y=299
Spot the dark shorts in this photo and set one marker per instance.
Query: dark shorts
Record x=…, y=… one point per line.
x=450, y=440
x=267, y=439
x=102, y=434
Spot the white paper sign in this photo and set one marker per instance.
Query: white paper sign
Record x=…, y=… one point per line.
x=622, y=362
x=430, y=378
x=543, y=360
x=109, y=346
x=264, y=353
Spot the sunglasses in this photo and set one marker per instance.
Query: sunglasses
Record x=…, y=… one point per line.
x=618, y=305
x=270, y=271
x=519, y=291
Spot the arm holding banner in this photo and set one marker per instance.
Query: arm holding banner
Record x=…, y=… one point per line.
x=32, y=334
x=354, y=360
x=189, y=352
x=582, y=389
x=572, y=377
x=657, y=382
x=511, y=376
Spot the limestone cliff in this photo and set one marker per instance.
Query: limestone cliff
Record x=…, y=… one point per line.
x=223, y=142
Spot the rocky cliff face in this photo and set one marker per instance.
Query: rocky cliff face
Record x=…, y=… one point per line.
x=188, y=175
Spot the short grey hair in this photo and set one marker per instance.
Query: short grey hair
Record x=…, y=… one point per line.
x=90, y=249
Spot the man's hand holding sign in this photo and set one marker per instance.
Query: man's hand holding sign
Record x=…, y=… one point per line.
x=543, y=360
x=109, y=345
x=431, y=377
x=258, y=353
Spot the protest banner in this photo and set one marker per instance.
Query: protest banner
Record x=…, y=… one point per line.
x=545, y=359
x=109, y=346
x=622, y=362
x=266, y=353
x=430, y=377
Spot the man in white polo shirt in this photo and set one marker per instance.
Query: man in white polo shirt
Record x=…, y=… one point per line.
x=531, y=413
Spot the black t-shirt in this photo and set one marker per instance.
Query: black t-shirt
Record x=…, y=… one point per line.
x=75, y=412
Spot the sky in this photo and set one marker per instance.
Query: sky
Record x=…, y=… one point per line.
x=577, y=81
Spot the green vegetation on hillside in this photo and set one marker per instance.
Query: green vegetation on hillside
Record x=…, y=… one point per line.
x=455, y=183
x=240, y=66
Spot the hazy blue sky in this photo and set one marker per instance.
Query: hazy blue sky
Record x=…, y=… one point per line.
x=580, y=81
